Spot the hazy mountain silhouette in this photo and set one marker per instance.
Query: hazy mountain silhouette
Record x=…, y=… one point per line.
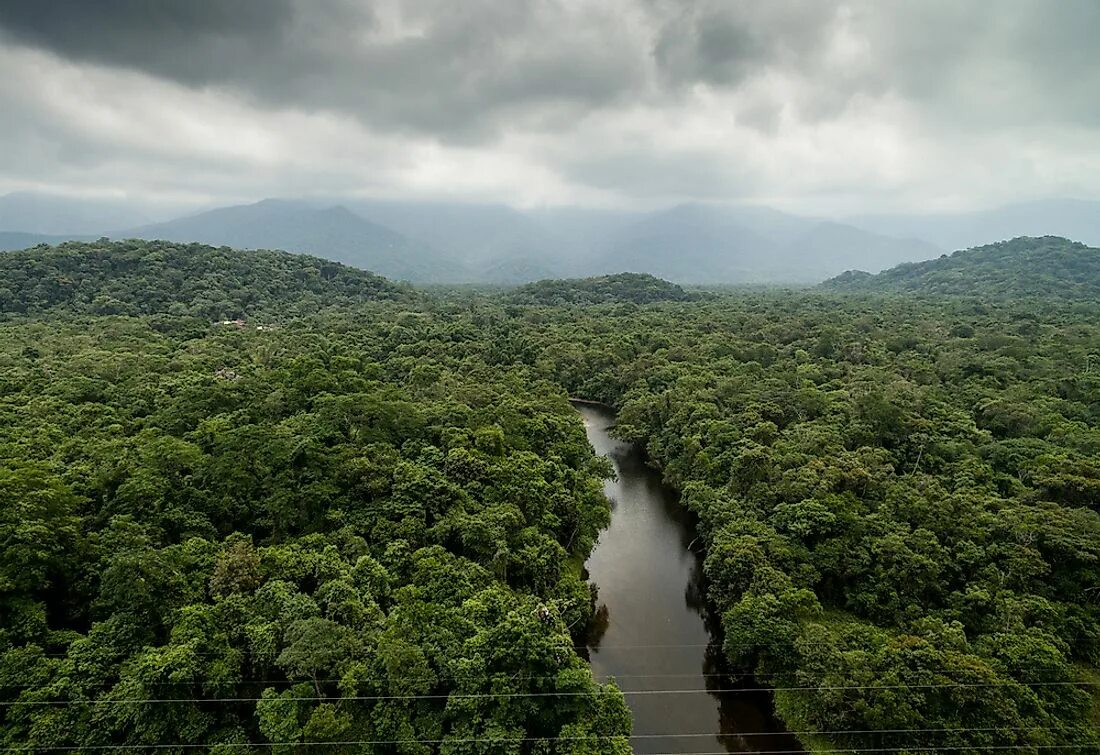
x=496, y=243
x=459, y=242
x=334, y=233
x=718, y=244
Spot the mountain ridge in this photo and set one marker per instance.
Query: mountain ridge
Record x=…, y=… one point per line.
x=454, y=242
x=717, y=244
x=138, y=277
x=1027, y=266
x=333, y=232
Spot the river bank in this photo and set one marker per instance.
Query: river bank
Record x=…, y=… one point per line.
x=653, y=633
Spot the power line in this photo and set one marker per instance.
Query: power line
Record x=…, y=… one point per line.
x=594, y=737
x=675, y=735
x=894, y=749
x=891, y=749
x=507, y=695
x=590, y=737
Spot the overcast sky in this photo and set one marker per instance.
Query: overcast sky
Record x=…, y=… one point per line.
x=814, y=106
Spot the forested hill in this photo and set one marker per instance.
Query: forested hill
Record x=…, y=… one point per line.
x=621, y=287
x=153, y=277
x=1049, y=266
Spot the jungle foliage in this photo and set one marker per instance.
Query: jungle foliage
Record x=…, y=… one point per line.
x=638, y=288
x=291, y=536
x=366, y=523
x=159, y=277
x=1047, y=267
x=900, y=500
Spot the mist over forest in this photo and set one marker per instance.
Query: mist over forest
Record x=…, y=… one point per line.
x=436, y=242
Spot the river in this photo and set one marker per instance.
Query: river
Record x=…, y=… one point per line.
x=653, y=632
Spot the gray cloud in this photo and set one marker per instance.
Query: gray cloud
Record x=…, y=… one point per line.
x=196, y=42
x=723, y=43
x=452, y=70
x=461, y=69
x=611, y=99
x=655, y=174
x=1017, y=61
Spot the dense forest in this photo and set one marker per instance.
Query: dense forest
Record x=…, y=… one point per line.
x=365, y=522
x=898, y=499
x=638, y=288
x=143, y=278
x=1049, y=266
x=308, y=532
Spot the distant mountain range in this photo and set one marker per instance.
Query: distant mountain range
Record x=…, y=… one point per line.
x=703, y=243
x=437, y=242
x=1050, y=267
x=335, y=233
x=492, y=242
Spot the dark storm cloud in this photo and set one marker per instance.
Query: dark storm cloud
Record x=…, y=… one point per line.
x=196, y=42
x=458, y=69
x=724, y=43
x=620, y=98
x=164, y=37
x=464, y=70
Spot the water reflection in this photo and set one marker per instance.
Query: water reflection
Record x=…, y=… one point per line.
x=652, y=631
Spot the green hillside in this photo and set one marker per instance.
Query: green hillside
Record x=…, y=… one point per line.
x=1049, y=266
x=638, y=288
x=153, y=277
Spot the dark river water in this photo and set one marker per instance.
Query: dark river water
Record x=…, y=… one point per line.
x=653, y=634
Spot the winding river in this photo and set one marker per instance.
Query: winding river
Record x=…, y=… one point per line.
x=653, y=633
